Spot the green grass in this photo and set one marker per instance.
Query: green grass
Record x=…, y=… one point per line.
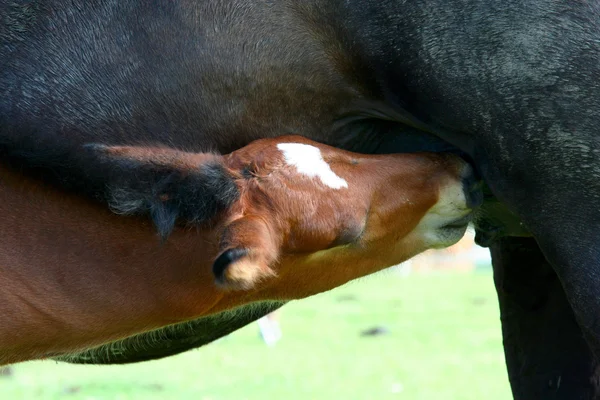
x=444, y=343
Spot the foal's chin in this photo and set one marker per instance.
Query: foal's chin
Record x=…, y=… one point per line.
x=446, y=222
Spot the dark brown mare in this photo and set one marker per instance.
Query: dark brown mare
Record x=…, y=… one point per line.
x=514, y=85
x=304, y=219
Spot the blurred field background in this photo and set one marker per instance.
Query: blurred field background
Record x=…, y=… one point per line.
x=439, y=338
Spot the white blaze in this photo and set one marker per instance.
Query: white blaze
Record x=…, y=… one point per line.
x=308, y=161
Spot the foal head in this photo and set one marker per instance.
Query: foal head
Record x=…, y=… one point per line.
x=306, y=206
x=304, y=211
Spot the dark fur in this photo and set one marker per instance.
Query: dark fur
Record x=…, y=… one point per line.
x=531, y=300
x=17, y=18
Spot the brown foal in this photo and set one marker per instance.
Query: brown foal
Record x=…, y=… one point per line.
x=307, y=218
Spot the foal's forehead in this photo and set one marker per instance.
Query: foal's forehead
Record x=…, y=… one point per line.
x=308, y=160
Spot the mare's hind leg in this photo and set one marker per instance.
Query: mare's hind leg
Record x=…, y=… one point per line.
x=546, y=354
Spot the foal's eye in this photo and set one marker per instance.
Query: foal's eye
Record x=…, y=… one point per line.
x=247, y=172
x=354, y=161
x=251, y=170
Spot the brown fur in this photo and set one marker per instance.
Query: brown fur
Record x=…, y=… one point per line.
x=74, y=275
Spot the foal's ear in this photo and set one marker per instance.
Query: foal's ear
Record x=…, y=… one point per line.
x=165, y=184
x=248, y=249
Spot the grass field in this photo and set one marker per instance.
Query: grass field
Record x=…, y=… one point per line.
x=444, y=343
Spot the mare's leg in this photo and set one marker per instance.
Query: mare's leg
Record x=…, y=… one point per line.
x=552, y=181
x=546, y=354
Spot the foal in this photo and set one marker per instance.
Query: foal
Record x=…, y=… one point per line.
x=302, y=218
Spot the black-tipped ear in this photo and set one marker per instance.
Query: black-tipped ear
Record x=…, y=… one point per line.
x=166, y=184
